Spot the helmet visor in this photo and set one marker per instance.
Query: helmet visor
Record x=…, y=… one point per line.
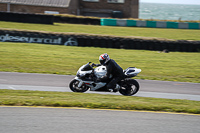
x=102, y=62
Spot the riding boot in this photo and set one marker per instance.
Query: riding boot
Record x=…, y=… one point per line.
x=116, y=89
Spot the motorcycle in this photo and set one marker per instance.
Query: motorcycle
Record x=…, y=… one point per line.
x=86, y=79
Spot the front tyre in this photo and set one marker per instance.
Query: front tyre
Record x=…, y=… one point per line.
x=73, y=85
x=129, y=87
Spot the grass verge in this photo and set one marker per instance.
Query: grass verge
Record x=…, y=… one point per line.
x=40, y=58
x=93, y=101
x=176, y=34
x=54, y=59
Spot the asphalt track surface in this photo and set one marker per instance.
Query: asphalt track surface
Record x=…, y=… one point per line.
x=52, y=82
x=64, y=120
x=69, y=120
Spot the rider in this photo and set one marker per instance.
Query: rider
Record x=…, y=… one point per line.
x=112, y=68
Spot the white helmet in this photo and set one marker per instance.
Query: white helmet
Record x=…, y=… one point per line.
x=104, y=58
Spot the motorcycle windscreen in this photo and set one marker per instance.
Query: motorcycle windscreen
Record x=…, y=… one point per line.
x=86, y=68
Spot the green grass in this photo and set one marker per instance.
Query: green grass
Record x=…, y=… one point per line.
x=70, y=99
x=54, y=59
x=176, y=34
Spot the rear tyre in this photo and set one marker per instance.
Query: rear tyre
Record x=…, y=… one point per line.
x=73, y=85
x=129, y=87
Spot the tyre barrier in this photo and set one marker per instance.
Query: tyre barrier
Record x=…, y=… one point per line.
x=85, y=40
x=45, y=19
x=26, y=18
x=74, y=20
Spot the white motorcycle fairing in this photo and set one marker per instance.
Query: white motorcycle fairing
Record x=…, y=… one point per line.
x=93, y=86
x=98, y=72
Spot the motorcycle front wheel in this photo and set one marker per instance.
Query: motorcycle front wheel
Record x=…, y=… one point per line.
x=130, y=87
x=73, y=85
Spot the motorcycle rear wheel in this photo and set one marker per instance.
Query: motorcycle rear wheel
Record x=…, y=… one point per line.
x=73, y=85
x=130, y=87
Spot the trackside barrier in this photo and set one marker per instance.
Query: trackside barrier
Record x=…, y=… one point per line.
x=26, y=18
x=45, y=19
x=151, y=24
x=83, y=40
x=110, y=22
x=74, y=20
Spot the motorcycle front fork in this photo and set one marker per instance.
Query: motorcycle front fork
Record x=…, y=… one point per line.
x=80, y=84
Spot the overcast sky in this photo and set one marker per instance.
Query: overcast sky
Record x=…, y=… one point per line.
x=193, y=2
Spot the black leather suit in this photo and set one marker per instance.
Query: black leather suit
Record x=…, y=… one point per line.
x=116, y=71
